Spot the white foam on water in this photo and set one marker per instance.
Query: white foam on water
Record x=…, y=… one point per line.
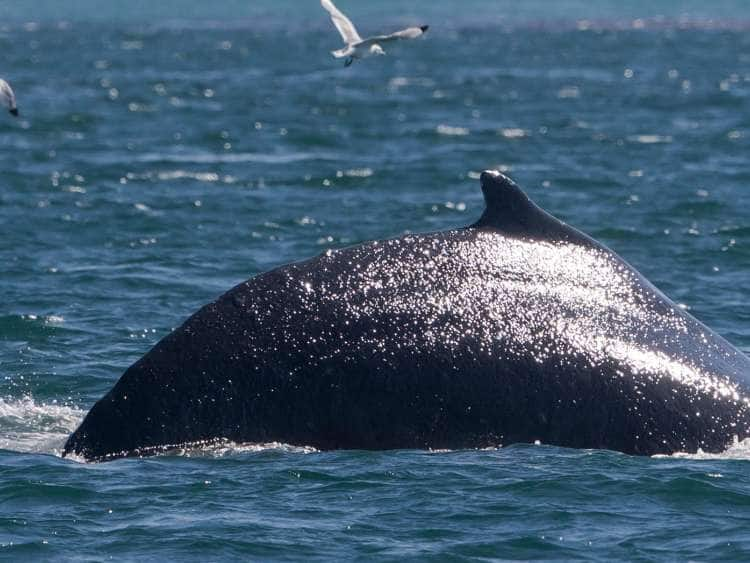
x=224, y=448
x=452, y=131
x=214, y=448
x=738, y=450
x=29, y=427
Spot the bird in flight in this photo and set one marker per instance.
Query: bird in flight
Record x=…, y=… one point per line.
x=358, y=48
x=8, y=98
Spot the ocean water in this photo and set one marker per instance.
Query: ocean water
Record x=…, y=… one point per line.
x=167, y=151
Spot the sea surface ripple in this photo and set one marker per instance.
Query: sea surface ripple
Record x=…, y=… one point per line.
x=167, y=152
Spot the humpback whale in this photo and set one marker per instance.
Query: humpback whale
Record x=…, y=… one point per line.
x=517, y=328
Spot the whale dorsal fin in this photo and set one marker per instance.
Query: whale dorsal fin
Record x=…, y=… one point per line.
x=510, y=211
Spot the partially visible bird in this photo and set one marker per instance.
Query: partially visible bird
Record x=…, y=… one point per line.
x=8, y=98
x=358, y=48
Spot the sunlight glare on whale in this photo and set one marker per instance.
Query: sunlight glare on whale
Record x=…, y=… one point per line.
x=516, y=328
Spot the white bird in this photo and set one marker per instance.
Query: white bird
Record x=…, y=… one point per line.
x=8, y=98
x=358, y=48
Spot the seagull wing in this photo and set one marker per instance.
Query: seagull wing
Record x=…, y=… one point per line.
x=408, y=33
x=343, y=24
x=7, y=97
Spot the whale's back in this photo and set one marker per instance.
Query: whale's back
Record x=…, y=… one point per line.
x=518, y=328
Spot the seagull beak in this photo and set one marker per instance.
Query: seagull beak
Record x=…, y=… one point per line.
x=14, y=112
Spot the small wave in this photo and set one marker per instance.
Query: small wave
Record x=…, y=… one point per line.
x=223, y=448
x=513, y=133
x=650, y=139
x=568, y=92
x=29, y=326
x=211, y=448
x=168, y=175
x=210, y=158
x=738, y=450
x=355, y=173
x=452, y=131
x=28, y=427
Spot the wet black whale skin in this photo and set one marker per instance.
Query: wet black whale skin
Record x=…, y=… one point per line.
x=515, y=329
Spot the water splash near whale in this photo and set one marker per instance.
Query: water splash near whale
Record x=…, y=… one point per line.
x=31, y=427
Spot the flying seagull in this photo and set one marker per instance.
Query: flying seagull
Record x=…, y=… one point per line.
x=358, y=48
x=8, y=98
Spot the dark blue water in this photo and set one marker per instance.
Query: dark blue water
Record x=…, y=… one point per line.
x=167, y=151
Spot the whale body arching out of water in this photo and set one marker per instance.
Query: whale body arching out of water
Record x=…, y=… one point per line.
x=515, y=329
